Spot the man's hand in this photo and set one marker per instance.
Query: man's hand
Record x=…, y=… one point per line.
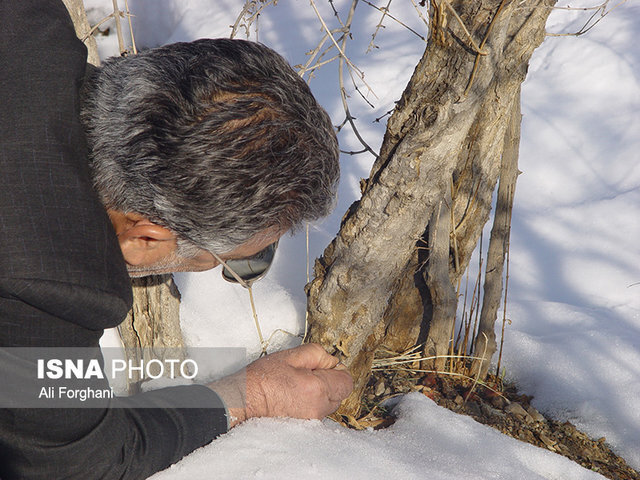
x=304, y=382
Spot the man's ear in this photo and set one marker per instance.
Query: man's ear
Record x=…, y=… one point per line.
x=142, y=242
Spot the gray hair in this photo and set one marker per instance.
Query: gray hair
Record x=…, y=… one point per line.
x=216, y=140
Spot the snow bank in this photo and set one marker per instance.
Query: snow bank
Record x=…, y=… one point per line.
x=427, y=441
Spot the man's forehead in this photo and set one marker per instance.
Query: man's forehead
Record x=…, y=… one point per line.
x=255, y=244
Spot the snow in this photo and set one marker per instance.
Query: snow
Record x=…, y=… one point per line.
x=574, y=286
x=426, y=442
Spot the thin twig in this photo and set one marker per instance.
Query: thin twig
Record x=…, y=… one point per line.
x=355, y=152
x=385, y=13
x=97, y=26
x=234, y=28
x=253, y=306
x=586, y=27
x=248, y=21
x=281, y=330
x=116, y=13
x=415, y=357
x=387, y=113
x=422, y=17
x=316, y=65
x=133, y=39
x=506, y=283
x=263, y=344
x=477, y=288
x=595, y=7
x=482, y=44
x=343, y=92
x=475, y=382
x=346, y=59
x=312, y=54
x=479, y=49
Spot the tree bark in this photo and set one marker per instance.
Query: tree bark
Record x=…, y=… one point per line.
x=448, y=128
x=81, y=24
x=443, y=294
x=152, y=327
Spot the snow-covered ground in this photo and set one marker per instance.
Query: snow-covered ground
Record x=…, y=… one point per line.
x=574, y=287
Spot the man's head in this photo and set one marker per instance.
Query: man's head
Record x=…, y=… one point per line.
x=210, y=146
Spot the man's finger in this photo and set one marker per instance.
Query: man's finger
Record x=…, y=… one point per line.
x=339, y=383
x=311, y=356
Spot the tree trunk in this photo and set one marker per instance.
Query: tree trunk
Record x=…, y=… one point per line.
x=485, y=344
x=81, y=24
x=443, y=294
x=152, y=327
x=446, y=134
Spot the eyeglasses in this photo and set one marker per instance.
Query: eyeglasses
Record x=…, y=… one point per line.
x=245, y=271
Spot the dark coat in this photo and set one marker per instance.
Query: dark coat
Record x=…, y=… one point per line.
x=62, y=276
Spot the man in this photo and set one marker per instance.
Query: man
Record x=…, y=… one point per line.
x=197, y=152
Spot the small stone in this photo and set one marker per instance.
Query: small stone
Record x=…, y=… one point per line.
x=585, y=453
x=516, y=409
x=379, y=388
x=535, y=414
x=549, y=442
x=490, y=411
x=458, y=400
x=473, y=409
x=449, y=392
x=498, y=402
x=527, y=436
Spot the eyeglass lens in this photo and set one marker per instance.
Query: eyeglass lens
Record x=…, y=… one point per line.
x=252, y=268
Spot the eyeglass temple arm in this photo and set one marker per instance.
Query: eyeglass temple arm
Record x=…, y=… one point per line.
x=235, y=275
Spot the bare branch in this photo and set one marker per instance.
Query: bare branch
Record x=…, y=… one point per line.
x=588, y=25
x=385, y=13
x=422, y=17
x=343, y=93
x=380, y=25
x=248, y=9
x=133, y=39
x=343, y=56
x=116, y=15
x=97, y=26
x=351, y=152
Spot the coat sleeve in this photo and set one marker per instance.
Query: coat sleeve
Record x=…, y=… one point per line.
x=62, y=276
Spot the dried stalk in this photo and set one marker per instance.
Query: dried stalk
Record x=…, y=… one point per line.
x=116, y=16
